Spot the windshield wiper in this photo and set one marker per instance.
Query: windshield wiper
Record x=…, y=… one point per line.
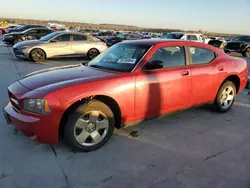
x=95, y=66
x=85, y=63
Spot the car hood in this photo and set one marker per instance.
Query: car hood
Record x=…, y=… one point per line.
x=236, y=42
x=12, y=34
x=29, y=42
x=63, y=76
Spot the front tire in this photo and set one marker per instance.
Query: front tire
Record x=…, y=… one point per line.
x=225, y=97
x=89, y=126
x=17, y=41
x=37, y=55
x=246, y=53
x=92, y=53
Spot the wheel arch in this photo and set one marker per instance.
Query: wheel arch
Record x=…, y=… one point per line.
x=109, y=101
x=94, y=48
x=37, y=48
x=235, y=79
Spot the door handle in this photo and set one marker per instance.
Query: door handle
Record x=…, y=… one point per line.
x=221, y=69
x=185, y=73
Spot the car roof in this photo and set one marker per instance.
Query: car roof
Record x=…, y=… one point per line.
x=152, y=41
x=70, y=32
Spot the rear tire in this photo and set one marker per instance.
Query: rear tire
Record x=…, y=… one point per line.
x=246, y=53
x=17, y=41
x=92, y=53
x=37, y=55
x=89, y=126
x=225, y=97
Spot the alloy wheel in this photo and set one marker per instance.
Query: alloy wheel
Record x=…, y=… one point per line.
x=37, y=55
x=91, y=128
x=227, y=97
x=248, y=52
x=93, y=53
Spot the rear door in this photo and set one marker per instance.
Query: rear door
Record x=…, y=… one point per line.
x=43, y=32
x=59, y=46
x=31, y=35
x=80, y=44
x=203, y=63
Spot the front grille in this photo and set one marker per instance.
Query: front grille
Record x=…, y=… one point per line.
x=14, y=102
x=233, y=46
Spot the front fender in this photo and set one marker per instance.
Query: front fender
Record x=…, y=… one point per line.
x=67, y=103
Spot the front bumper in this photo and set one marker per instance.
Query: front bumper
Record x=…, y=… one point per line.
x=19, y=52
x=234, y=50
x=8, y=40
x=36, y=128
x=248, y=83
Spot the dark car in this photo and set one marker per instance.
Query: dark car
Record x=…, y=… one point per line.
x=240, y=44
x=10, y=28
x=25, y=27
x=110, y=41
x=30, y=34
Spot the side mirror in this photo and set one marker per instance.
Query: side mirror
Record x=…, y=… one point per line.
x=53, y=41
x=155, y=64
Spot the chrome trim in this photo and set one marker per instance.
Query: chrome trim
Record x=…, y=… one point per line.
x=15, y=101
x=142, y=58
x=17, y=110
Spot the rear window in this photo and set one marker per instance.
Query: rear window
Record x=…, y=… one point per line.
x=79, y=38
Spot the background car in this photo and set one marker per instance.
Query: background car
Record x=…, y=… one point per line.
x=124, y=85
x=3, y=30
x=30, y=34
x=60, y=44
x=218, y=42
x=25, y=27
x=240, y=44
x=10, y=28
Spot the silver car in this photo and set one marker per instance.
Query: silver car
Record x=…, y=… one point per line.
x=60, y=44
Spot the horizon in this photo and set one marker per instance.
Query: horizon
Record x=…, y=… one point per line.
x=212, y=16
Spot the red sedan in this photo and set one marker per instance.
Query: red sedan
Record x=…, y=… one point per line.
x=129, y=82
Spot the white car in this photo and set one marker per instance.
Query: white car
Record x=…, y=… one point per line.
x=188, y=36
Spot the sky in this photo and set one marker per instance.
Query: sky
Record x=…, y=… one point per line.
x=224, y=16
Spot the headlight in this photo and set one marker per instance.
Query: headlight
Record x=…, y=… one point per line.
x=40, y=106
x=23, y=47
x=243, y=45
x=8, y=36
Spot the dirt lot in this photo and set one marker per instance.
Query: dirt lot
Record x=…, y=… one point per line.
x=195, y=148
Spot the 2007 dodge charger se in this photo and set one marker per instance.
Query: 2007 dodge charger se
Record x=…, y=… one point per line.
x=129, y=82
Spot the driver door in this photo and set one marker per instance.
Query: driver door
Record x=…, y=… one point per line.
x=31, y=35
x=60, y=46
x=165, y=89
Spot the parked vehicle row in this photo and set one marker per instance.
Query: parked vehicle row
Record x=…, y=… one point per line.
x=20, y=33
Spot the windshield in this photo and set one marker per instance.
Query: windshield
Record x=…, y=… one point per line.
x=174, y=35
x=120, y=57
x=242, y=38
x=26, y=31
x=49, y=36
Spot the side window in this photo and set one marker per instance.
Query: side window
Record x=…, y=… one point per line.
x=63, y=38
x=79, y=37
x=201, y=55
x=192, y=37
x=45, y=31
x=173, y=56
x=33, y=31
